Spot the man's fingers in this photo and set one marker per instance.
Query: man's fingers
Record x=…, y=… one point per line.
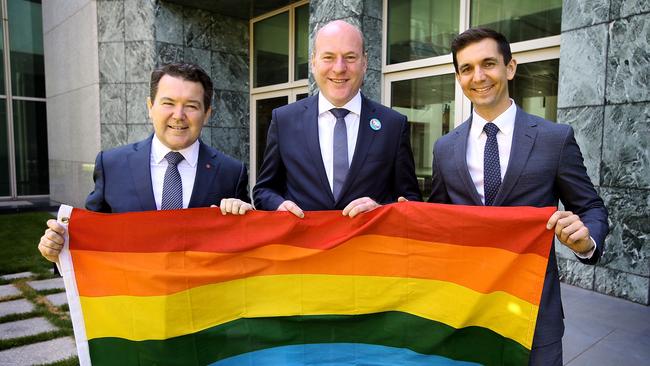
x=55, y=226
x=402, y=199
x=352, y=205
x=578, y=236
x=291, y=207
x=557, y=215
x=358, y=206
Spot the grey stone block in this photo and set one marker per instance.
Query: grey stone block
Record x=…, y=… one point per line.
x=575, y=273
x=8, y=290
x=371, y=87
x=579, y=13
x=110, y=21
x=136, y=133
x=112, y=103
x=373, y=8
x=230, y=71
x=140, y=59
x=136, y=103
x=322, y=12
x=113, y=136
x=39, y=353
x=111, y=62
x=206, y=135
x=230, y=35
x=167, y=53
x=623, y=285
x=231, y=109
x=169, y=23
x=52, y=283
x=372, y=31
x=15, y=276
x=628, y=68
x=15, y=307
x=57, y=299
x=139, y=16
x=26, y=327
x=587, y=123
x=624, y=8
x=232, y=141
x=200, y=57
x=196, y=30
x=626, y=160
x=579, y=85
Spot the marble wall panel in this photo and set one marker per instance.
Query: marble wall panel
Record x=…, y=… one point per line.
x=140, y=59
x=111, y=62
x=582, y=67
x=230, y=71
x=110, y=21
x=139, y=16
x=626, y=160
x=137, y=133
x=206, y=135
x=587, y=123
x=575, y=273
x=232, y=141
x=113, y=136
x=231, y=109
x=197, y=27
x=70, y=181
x=627, y=247
x=621, y=284
x=624, y=8
x=373, y=8
x=578, y=14
x=371, y=87
x=112, y=103
x=167, y=53
x=168, y=23
x=323, y=11
x=628, y=61
x=229, y=35
x=372, y=31
x=136, y=103
x=200, y=57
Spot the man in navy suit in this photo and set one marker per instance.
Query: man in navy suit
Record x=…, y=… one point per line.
x=538, y=163
x=130, y=178
x=310, y=165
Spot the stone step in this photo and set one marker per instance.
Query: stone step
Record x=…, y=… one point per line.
x=39, y=353
x=57, y=299
x=15, y=276
x=52, y=283
x=15, y=307
x=26, y=327
x=8, y=290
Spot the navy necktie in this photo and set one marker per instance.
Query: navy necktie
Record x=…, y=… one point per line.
x=491, y=165
x=172, y=195
x=340, y=152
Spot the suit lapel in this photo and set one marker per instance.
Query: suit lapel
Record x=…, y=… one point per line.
x=308, y=121
x=460, y=155
x=206, y=171
x=140, y=170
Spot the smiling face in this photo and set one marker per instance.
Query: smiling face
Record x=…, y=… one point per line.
x=338, y=62
x=177, y=112
x=483, y=76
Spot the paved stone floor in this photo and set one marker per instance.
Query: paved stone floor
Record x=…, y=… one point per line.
x=600, y=330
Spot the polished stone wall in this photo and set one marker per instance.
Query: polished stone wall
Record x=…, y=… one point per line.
x=604, y=95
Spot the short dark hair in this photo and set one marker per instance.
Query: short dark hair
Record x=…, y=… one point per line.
x=186, y=71
x=474, y=35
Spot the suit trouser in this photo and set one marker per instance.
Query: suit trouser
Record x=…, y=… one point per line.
x=547, y=355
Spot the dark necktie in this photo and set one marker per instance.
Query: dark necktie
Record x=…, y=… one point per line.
x=491, y=165
x=340, y=152
x=172, y=195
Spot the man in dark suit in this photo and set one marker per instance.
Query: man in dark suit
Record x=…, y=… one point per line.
x=502, y=156
x=171, y=169
x=336, y=150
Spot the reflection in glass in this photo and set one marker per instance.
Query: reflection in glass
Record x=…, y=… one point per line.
x=518, y=20
x=264, y=107
x=26, y=46
x=420, y=28
x=302, y=42
x=5, y=189
x=534, y=88
x=2, y=66
x=271, y=50
x=429, y=105
x=301, y=96
x=30, y=140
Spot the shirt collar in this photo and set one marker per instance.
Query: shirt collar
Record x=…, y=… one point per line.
x=354, y=105
x=159, y=150
x=505, y=121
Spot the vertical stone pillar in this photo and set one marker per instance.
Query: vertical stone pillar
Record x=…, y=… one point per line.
x=604, y=95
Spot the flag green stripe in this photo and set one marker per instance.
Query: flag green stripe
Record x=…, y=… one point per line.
x=393, y=329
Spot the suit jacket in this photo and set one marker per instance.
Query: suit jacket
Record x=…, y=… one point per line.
x=382, y=167
x=123, y=179
x=545, y=166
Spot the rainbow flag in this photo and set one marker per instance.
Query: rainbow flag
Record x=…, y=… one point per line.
x=407, y=284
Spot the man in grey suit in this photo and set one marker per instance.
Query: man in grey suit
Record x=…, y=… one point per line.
x=502, y=156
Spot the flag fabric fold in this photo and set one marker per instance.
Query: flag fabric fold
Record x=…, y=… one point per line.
x=407, y=284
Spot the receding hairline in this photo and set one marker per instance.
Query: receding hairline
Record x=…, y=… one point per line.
x=339, y=23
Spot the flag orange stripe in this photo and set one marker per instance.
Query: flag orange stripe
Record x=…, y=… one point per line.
x=152, y=274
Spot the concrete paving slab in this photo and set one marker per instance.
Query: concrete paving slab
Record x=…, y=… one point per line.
x=15, y=276
x=52, y=283
x=26, y=327
x=8, y=290
x=618, y=348
x=579, y=336
x=39, y=353
x=19, y=306
x=57, y=299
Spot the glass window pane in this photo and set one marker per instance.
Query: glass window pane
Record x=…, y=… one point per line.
x=271, y=50
x=30, y=139
x=26, y=47
x=264, y=107
x=302, y=42
x=301, y=96
x=5, y=189
x=2, y=62
x=429, y=105
x=534, y=88
x=421, y=28
x=518, y=20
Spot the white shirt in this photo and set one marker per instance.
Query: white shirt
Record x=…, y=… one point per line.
x=187, y=169
x=326, y=123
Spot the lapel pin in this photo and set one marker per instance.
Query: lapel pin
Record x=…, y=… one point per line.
x=208, y=166
x=375, y=124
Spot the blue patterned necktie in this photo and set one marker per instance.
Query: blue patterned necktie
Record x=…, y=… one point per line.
x=340, y=152
x=491, y=165
x=172, y=195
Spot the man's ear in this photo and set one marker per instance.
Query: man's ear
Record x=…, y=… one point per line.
x=208, y=113
x=511, y=69
x=149, y=105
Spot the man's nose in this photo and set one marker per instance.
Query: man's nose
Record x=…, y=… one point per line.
x=340, y=65
x=479, y=75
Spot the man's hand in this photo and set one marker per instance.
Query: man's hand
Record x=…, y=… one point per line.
x=363, y=204
x=402, y=199
x=234, y=206
x=51, y=242
x=291, y=207
x=570, y=231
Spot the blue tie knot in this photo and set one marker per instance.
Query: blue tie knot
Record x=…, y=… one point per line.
x=339, y=112
x=491, y=129
x=174, y=157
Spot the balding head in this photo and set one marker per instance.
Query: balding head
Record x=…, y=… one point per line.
x=336, y=27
